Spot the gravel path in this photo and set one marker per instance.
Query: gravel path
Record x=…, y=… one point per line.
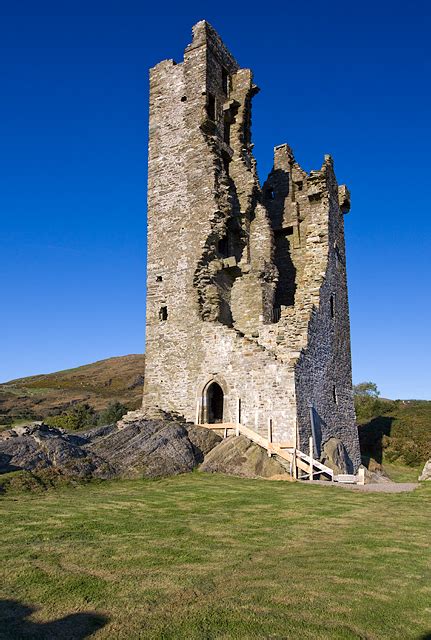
x=381, y=487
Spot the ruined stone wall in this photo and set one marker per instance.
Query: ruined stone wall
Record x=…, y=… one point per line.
x=313, y=332
x=323, y=372
x=238, y=278
x=196, y=199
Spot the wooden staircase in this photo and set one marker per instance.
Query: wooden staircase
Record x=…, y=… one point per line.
x=298, y=461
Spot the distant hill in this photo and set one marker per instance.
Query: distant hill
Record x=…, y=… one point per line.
x=120, y=378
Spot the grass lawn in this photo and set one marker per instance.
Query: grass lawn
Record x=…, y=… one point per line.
x=208, y=556
x=402, y=473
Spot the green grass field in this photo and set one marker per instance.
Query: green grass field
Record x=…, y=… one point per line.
x=208, y=556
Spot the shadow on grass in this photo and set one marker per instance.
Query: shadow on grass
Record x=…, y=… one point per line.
x=371, y=437
x=75, y=626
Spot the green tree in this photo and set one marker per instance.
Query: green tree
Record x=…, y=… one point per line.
x=113, y=412
x=81, y=416
x=367, y=403
x=366, y=389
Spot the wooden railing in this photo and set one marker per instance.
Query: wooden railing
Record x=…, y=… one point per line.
x=286, y=450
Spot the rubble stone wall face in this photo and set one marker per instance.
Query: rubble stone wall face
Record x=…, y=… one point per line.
x=239, y=278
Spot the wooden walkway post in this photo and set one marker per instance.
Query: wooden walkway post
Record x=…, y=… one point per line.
x=269, y=436
x=311, y=457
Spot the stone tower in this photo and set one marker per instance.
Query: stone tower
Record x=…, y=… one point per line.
x=247, y=312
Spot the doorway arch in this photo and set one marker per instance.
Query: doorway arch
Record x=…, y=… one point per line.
x=214, y=403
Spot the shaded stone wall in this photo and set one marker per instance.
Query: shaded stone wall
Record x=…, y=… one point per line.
x=238, y=278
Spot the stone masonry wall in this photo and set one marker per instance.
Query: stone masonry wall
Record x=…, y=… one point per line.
x=238, y=278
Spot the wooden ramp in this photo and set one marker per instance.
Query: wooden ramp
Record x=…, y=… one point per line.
x=298, y=460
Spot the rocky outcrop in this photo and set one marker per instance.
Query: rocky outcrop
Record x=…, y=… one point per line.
x=203, y=440
x=138, y=448
x=374, y=473
x=334, y=456
x=426, y=472
x=239, y=456
x=135, y=447
x=39, y=447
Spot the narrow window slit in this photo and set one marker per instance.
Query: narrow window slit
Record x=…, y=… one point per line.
x=211, y=106
x=225, y=81
x=334, y=394
x=332, y=305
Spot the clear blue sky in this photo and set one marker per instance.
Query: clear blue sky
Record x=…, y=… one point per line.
x=350, y=79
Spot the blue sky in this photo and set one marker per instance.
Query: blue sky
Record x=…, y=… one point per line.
x=353, y=81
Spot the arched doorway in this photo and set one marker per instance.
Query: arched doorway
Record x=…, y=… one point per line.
x=214, y=402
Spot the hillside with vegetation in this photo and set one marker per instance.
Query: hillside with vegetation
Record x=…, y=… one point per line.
x=97, y=385
x=392, y=432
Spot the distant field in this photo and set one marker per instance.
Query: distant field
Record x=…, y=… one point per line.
x=98, y=384
x=202, y=557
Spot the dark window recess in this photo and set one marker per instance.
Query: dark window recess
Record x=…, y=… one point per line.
x=332, y=305
x=286, y=231
x=314, y=197
x=226, y=132
x=225, y=81
x=226, y=162
x=184, y=99
x=299, y=185
x=334, y=394
x=270, y=194
x=276, y=314
x=163, y=313
x=223, y=247
x=211, y=106
x=159, y=278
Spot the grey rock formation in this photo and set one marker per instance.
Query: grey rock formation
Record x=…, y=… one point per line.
x=426, y=472
x=146, y=448
x=334, y=456
x=375, y=474
x=39, y=446
x=239, y=456
x=140, y=448
x=203, y=440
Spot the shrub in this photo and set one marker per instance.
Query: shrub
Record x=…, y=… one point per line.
x=81, y=416
x=113, y=412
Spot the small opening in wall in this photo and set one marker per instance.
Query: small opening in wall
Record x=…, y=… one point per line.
x=223, y=247
x=314, y=197
x=163, y=313
x=159, y=279
x=226, y=132
x=211, y=106
x=225, y=81
x=276, y=314
x=282, y=233
x=332, y=302
x=226, y=162
x=334, y=394
x=299, y=185
x=184, y=99
x=270, y=194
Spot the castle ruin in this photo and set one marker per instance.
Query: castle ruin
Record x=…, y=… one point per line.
x=247, y=317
